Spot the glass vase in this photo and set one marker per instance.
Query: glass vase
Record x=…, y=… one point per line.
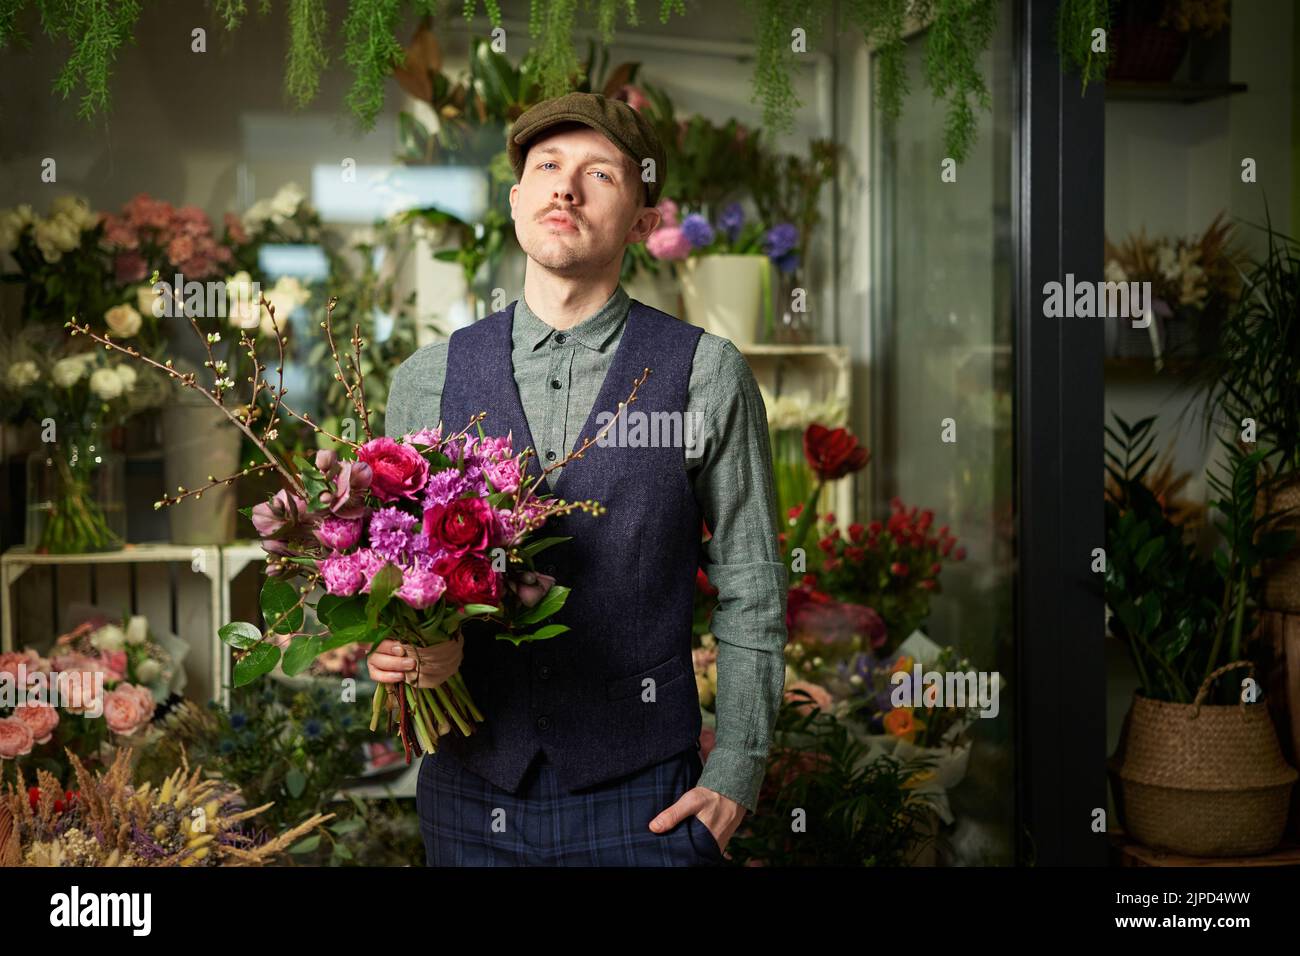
x=75, y=498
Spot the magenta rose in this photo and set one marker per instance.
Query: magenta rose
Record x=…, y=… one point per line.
x=470, y=579
x=421, y=589
x=15, y=738
x=397, y=471
x=41, y=718
x=459, y=526
x=339, y=534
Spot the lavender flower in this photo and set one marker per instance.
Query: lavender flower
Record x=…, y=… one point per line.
x=697, y=230
x=391, y=533
x=780, y=240
x=732, y=220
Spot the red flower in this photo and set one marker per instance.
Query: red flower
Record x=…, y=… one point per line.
x=959, y=554
x=470, y=579
x=929, y=584
x=935, y=568
x=833, y=454
x=855, y=554
x=898, y=569
x=398, y=471
x=702, y=583
x=461, y=525
x=875, y=528
x=794, y=512
x=855, y=532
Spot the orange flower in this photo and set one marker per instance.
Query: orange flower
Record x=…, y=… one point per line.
x=901, y=723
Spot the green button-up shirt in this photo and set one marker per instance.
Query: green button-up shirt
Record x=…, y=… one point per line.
x=731, y=472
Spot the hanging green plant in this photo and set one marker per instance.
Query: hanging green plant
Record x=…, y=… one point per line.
x=1075, y=25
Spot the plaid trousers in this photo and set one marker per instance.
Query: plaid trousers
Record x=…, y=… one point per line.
x=468, y=821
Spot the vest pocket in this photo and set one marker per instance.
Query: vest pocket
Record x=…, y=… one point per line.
x=662, y=673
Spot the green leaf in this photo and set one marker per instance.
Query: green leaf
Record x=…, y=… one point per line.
x=1149, y=551
x=239, y=634
x=382, y=587
x=550, y=630
x=295, y=781
x=351, y=825
x=278, y=601
x=260, y=660
x=548, y=605
x=307, y=845
x=301, y=652
x=470, y=609
x=533, y=548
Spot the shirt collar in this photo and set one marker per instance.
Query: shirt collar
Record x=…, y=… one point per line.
x=593, y=332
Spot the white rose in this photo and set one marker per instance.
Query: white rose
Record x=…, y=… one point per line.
x=67, y=372
x=67, y=232
x=24, y=213
x=65, y=205
x=151, y=301
x=148, y=671
x=257, y=215
x=108, y=638
x=287, y=294
x=8, y=235
x=45, y=232
x=24, y=373
x=123, y=320
x=137, y=629
x=105, y=383
x=126, y=375
x=287, y=200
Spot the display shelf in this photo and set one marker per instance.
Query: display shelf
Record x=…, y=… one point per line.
x=185, y=588
x=1171, y=92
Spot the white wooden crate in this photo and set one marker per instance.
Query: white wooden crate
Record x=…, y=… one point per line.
x=181, y=588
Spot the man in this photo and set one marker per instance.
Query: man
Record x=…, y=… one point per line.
x=589, y=754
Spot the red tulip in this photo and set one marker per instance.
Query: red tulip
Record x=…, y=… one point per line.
x=832, y=454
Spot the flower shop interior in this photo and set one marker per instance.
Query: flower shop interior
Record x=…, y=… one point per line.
x=1077, y=512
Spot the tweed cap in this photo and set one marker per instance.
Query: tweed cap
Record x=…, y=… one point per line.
x=624, y=126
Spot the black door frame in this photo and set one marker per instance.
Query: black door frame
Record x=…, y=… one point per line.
x=1059, y=155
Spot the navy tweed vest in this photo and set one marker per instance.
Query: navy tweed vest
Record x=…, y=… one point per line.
x=582, y=696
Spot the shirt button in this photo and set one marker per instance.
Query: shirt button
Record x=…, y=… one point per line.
x=555, y=383
x=544, y=672
x=550, y=454
x=561, y=338
x=543, y=722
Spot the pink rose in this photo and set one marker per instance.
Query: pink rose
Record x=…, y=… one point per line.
x=41, y=719
x=465, y=524
x=9, y=662
x=125, y=709
x=15, y=738
x=397, y=471
x=821, y=697
x=114, y=665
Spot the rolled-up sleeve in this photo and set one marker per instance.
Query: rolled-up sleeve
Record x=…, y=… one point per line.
x=734, y=487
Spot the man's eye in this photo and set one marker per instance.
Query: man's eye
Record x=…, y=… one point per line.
x=605, y=174
x=548, y=163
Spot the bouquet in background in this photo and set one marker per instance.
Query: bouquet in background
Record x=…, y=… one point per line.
x=110, y=820
x=788, y=418
x=99, y=686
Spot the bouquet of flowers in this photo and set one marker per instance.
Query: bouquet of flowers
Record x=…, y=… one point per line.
x=410, y=538
x=109, y=820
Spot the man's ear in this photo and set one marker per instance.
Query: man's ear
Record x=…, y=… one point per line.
x=645, y=223
x=514, y=193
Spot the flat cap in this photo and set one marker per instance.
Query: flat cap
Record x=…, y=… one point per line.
x=624, y=126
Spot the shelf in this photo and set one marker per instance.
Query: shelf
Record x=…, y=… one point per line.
x=1140, y=368
x=1171, y=92
x=779, y=351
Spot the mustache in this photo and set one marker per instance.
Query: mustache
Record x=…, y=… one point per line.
x=560, y=209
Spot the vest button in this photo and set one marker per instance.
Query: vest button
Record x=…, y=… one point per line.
x=550, y=454
x=555, y=383
x=543, y=722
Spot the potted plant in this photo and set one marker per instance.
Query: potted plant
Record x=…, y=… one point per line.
x=1252, y=382
x=1150, y=37
x=1198, y=769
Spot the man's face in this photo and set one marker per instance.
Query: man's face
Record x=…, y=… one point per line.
x=579, y=202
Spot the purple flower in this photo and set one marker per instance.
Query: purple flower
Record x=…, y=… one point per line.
x=282, y=513
x=339, y=534
x=342, y=574
x=421, y=589
x=390, y=533
x=697, y=230
x=444, y=487
x=787, y=263
x=370, y=562
x=349, y=481
x=731, y=220
x=780, y=240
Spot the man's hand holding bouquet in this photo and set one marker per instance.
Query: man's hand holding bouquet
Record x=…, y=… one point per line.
x=408, y=538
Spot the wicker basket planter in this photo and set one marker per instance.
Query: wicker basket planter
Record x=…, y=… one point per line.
x=1201, y=780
